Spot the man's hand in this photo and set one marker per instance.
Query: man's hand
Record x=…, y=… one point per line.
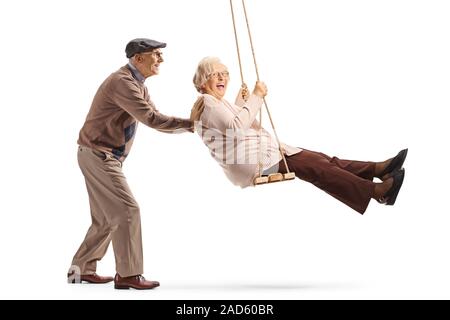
x=197, y=111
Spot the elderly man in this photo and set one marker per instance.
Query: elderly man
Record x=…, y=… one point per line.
x=104, y=142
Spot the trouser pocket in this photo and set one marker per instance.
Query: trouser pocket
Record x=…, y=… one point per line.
x=99, y=154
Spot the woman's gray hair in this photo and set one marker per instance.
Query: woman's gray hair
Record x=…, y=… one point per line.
x=204, y=69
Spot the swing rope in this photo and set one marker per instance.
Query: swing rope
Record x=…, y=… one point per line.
x=237, y=43
x=260, y=164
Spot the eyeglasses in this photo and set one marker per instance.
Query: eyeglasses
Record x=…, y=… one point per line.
x=158, y=54
x=216, y=75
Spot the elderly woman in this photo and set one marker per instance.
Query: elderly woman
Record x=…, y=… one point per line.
x=239, y=144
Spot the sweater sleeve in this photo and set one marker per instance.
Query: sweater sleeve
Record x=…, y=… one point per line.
x=239, y=100
x=222, y=117
x=128, y=96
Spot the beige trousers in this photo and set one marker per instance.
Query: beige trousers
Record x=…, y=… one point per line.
x=115, y=216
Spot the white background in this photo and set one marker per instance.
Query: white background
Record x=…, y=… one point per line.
x=355, y=79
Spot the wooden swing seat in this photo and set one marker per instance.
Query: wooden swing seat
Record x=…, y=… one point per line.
x=274, y=177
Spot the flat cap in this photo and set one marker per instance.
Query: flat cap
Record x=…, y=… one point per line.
x=142, y=45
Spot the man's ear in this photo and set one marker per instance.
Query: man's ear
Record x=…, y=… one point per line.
x=138, y=58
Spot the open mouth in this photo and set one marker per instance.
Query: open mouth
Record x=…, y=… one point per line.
x=220, y=86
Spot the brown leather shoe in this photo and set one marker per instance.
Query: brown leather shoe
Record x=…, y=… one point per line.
x=136, y=282
x=89, y=278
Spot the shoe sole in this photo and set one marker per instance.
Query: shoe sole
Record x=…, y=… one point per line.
x=389, y=172
x=121, y=288
x=131, y=287
x=392, y=199
x=85, y=281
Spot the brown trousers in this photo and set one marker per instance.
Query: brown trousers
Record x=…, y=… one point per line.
x=348, y=181
x=115, y=216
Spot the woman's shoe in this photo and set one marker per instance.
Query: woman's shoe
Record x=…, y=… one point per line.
x=395, y=165
x=391, y=195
